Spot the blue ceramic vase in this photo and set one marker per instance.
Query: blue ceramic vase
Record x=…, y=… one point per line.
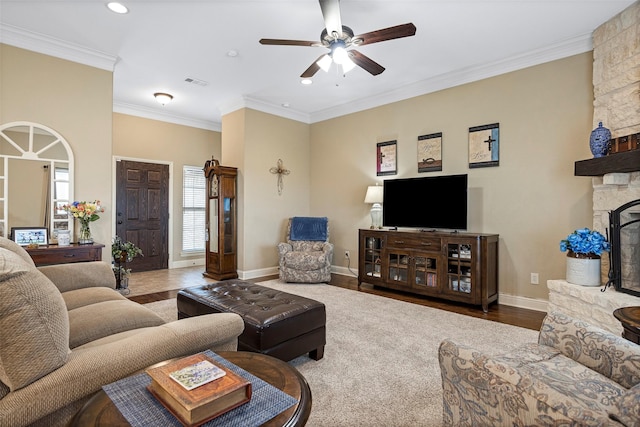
x=599, y=141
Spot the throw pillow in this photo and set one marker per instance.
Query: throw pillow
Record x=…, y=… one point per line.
x=34, y=327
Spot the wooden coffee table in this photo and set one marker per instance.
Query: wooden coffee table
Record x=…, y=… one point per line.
x=100, y=410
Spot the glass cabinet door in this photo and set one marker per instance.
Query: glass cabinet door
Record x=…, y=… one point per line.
x=213, y=225
x=459, y=268
x=426, y=269
x=229, y=217
x=372, y=256
x=398, y=262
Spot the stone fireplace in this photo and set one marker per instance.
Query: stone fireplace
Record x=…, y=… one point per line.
x=616, y=177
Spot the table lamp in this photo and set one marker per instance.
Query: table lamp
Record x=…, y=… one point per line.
x=375, y=196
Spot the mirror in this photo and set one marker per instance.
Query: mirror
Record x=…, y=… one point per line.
x=36, y=178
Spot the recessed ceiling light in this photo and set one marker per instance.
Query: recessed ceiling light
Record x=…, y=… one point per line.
x=232, y=53
x=116, y=7
x=286, y=105
x=306, y=81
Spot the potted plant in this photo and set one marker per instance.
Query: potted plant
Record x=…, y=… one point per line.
x=122, y=253
x=584, y=248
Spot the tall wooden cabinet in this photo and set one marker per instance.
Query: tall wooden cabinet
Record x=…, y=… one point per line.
x=454, y=266
x=221, y=221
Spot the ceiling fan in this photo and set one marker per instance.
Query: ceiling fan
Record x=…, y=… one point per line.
x=338, y=38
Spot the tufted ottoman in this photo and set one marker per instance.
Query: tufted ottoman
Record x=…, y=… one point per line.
x=276, y=323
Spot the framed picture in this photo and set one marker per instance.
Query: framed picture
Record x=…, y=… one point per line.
x=484, y=146
x=30, y=235
x=386, y=158
x=430, y=152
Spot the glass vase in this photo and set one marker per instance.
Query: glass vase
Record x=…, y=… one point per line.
x=85, y=237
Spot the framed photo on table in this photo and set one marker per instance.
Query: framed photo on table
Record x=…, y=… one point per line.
x=386, y=158
x=30, y=235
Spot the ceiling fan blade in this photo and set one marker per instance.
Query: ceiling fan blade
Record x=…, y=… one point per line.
x=313, y=68
x=280, y=42
x=399, y=31
x=331, y=15
x=365, y=62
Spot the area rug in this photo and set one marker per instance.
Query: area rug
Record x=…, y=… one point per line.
x=380, y=366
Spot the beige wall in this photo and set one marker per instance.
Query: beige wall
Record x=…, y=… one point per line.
x=76, y=101
x=532, y=200
x=253, y=142
x=155, y=141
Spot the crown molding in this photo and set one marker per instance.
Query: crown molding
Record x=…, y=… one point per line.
x=265, y=107
x=47, y=45
x=566, y=48
x=40, y=43
x=150, y=113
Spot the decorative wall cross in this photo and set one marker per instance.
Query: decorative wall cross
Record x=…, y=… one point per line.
x=280, y=170
x=489, y=141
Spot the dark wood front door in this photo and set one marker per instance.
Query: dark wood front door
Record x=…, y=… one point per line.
x=142, y=211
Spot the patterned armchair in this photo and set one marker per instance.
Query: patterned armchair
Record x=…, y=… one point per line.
x=306, y=256
x=576, y=375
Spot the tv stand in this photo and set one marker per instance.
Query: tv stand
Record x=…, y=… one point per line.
x=455, y=266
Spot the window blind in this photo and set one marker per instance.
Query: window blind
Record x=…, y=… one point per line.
x=193, y=209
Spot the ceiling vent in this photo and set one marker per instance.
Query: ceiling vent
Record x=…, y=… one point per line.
x=196, y=81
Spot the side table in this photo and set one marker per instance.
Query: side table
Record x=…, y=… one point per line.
x=54, y=254
x=100, y=410
x=630, y=319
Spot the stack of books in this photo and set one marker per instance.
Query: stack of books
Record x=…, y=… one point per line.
x=195, y=390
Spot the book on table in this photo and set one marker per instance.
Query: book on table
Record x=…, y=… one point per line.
x=195, y=390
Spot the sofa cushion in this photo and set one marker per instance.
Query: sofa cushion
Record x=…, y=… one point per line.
x=305, y=260
x=34, y=326
x=86, y=296
x=305, y=245
x=559, y=382
x=627, y=410
x=591, y=346
x=95, y=321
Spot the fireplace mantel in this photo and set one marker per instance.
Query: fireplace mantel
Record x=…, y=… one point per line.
x=627, y=161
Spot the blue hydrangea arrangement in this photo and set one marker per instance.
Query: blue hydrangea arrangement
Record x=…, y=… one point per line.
x=585, y=241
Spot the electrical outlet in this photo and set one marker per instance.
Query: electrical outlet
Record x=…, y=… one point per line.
x=535, y=280
x=346, y=254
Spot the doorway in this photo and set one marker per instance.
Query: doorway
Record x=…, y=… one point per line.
x=142, y=211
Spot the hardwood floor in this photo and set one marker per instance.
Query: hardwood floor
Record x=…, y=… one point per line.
x=157, y=285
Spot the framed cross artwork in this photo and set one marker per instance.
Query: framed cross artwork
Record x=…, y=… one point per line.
x=430, y=152
x=484, y=146
x=386, y=158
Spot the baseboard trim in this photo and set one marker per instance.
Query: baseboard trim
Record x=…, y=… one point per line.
x=504, y=299
x=260, y=272
x=523, y=302
x=187, y=263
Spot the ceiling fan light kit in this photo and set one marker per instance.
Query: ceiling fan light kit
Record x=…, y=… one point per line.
x=339, y=39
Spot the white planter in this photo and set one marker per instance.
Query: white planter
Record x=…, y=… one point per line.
x=583, y=271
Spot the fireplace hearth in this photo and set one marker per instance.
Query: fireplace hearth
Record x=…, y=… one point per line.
x=624, y=236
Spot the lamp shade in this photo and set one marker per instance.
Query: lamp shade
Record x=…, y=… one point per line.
x=374, y=194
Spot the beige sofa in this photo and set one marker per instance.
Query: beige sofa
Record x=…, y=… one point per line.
x=65, y=332
x=576, y=375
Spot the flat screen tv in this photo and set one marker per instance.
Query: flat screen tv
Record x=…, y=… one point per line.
x=435, y=202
